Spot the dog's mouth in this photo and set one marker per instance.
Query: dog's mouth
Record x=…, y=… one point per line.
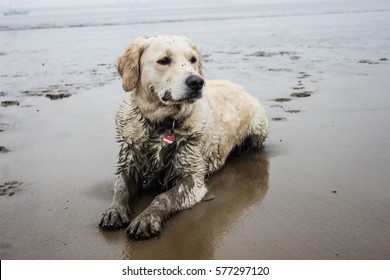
x=189, y=98
x=192, y=97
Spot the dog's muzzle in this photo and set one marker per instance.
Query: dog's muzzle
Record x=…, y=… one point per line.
x=194, y=87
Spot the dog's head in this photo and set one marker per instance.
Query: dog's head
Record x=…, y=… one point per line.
x=167, y=67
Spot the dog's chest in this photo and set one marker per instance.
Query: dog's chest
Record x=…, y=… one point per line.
x=153, y=161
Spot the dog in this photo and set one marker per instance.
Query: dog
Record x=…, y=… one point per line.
x=174, y=129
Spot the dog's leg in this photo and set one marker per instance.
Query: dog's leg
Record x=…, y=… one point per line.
x=187, y=192
x=258, y=128
x=117, y=214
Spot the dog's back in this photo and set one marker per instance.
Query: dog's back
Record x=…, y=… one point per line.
x=235, y=116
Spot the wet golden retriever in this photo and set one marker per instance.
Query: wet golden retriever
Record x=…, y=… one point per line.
x=174, y=129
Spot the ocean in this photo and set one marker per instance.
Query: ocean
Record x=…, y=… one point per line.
x=63, y=51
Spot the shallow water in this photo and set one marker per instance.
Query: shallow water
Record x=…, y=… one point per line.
x=318, y=190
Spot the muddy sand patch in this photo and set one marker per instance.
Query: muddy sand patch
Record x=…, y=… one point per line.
x=58, y=96
x=3, y=149
x=279, y=70
x=3, y=126
x=10, y=188
x=303, y=75
x=99, y=76
x=271, y=54
x=9, y=103
x=281, y=99
x=302, y=94
x=277, y=119
x=293, y=111
x=369, y=61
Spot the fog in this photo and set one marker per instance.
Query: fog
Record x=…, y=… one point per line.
x=79, y=3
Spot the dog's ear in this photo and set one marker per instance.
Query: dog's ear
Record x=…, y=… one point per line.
x=196, y=49
x=128, y=64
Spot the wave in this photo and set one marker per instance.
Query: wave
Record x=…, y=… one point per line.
x=55, y=25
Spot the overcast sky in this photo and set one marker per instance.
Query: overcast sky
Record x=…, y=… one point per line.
x=67, y=3
x=54, y=3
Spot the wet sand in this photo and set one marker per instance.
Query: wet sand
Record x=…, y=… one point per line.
x=318, y=190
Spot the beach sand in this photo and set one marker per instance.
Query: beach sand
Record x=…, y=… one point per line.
x=320, y=188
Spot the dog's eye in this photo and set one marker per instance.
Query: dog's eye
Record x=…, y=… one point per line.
x=193, y=59
x=164, y=61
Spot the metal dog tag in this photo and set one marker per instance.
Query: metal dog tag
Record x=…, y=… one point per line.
x=168, y=138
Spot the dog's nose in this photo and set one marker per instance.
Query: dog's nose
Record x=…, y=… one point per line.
x=195, y=82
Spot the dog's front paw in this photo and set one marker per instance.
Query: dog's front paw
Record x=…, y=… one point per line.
x=146, y=225
x=113, y=218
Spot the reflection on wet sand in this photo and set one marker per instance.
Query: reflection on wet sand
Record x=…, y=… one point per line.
x=194, y=234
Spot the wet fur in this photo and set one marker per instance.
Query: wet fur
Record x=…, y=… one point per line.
x=225, y=120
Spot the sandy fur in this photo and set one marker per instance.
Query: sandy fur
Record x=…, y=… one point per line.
x=207, y=130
